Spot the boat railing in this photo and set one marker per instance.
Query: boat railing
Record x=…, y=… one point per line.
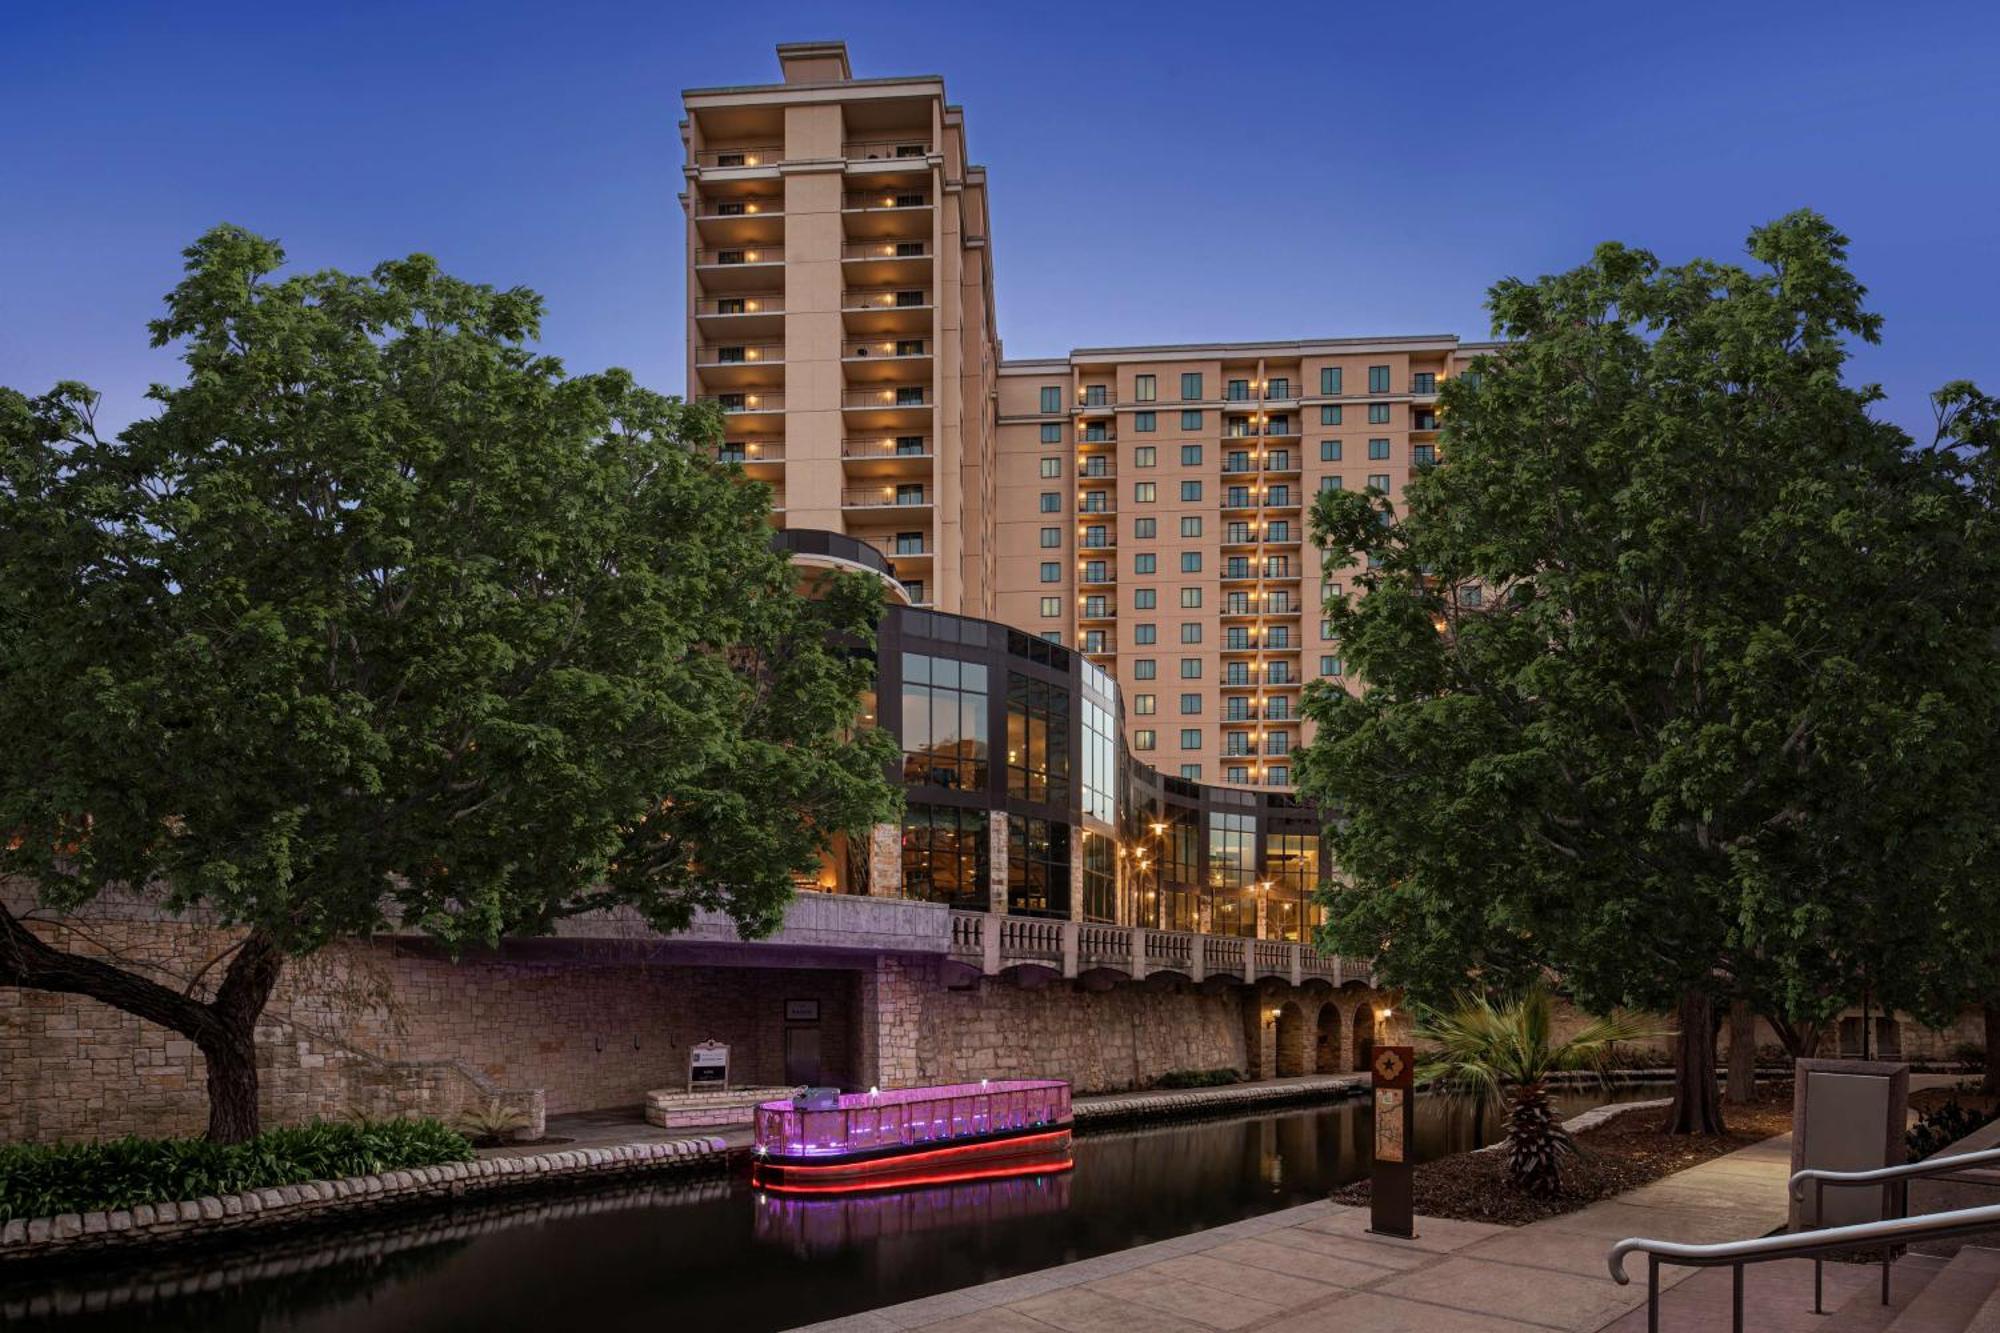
x=910, y=1117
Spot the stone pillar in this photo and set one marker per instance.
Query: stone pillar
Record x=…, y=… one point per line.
x=892, y=993
x=996, y=860
x=1263, y=915
x=885, y=861
x=1076, y=875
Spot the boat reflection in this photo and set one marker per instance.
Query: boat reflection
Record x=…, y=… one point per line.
x=811, y=1225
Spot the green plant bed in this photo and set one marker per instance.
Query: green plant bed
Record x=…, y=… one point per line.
x=1198, y=1078
x=37, y=1181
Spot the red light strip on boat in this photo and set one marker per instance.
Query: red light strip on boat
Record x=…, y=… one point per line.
x=927, y=1155
x=873, y=1183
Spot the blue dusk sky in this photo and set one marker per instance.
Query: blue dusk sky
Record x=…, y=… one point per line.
x=1158, y=174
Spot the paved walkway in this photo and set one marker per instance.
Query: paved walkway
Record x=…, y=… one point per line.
x=1314, y=1269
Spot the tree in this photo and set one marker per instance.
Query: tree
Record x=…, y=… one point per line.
x=384, y=618
x=1511, y=1050
x=1670, y=677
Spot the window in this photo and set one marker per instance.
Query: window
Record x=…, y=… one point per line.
x=1329, y=451
x=1052, y=636
x=1378, y=450
x=1281, y=743
x=910, y=493
x=1329, y=483
x=1100, y=761
x=1236, y=391
x=1051, y=467
x=1096, y=571
x=1423, y=455
x=1052, y=396
x=1096, y=431
x=1279, y=495
x=915, y=587
x=1279, y=673
x=1051, y=537
x=1190, y=562
x=1471, y=596
x=1192, y=772
x=1100, y=877
x=1096, y=535
x=1329, y=380
x=1145, y=705
x=1191, y=386
x=1236, y=773
x=1051, y=432
x=1279, y=530
x=1096, y=395
x=1146, y=422
x=1146, y=455
x=1147, y=563
x=1378, y=379
x=1190, y=705
x=1379, y=481
x=1037, y=739
x=1145, y=529
x=1037, y=866
x=1145, y=599
x=1190, y=598
x=1146, y=492
x=1190, y=738
x=945, y=857
x=944, y=722
x=1424, y=382
x=1190, y=455
x=1190, y=492
x=1051, y=572
x=1051, y=607
x=1190, y=668
x=1329, y=414
x=1378, y=414
x=1051, y=502
x=1144, y=739
x=1145, y=668
x=1145, y=388
x=1279, y=388
x=1279, y=775
x=1095, y=607
x=1145, y=633
x=1191, y=631
x=1191, y=525
x=1326, y=629
x=1329, y=666
x=1190, y=421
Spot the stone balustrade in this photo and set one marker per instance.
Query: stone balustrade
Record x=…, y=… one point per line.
x=993, y=944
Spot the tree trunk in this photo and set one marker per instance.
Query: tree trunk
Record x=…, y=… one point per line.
x=1800, y=1040
x=1697, y=1107
x=224, y=1030
x=1742, y=1053
x=1991, y=1083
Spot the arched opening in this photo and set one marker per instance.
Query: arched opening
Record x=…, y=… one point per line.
x=1326, y=1046
x=1364, y=1036
x=1291, y=1040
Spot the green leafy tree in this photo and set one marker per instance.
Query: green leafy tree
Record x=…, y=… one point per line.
x=1672, y=669
x=1510, y=1051
x=382, y=618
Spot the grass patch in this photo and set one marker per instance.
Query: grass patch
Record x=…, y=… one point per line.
x=39, y=1181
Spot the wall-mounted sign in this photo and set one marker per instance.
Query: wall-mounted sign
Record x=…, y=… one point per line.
x=802, y=1011
x=1392, y=1075
x=708, y=1066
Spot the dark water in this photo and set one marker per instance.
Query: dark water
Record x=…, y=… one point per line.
x=715, y=1254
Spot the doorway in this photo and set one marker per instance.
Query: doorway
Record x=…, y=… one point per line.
x=802, y=1055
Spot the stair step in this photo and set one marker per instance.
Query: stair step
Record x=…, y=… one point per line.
x=1954, y=1297
x=1863, y=1311
x=1988, y=1318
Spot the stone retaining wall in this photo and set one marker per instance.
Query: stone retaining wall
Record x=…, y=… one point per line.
x=320, y=1200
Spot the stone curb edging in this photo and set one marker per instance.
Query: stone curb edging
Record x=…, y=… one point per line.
x=1595, y=1116
x=1193, y=1101
x=286, y=1205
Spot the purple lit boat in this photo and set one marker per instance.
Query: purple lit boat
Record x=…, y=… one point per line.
x=821, y=1142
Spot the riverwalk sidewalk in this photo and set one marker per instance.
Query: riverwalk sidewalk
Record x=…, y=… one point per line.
x=1315, y=1269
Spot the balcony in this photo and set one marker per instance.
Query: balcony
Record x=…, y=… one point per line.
x=1108, y=577
x=890, y=410
x=736, y=405
x=908, y=456
x=885, y=262
x=740, y=318
x=891, y=496
x=750, y=220
x=1097, y=436
x=887, y=360
x=1106, y=542
x=1093, y=610
x=1423, y=423
x=1106, y=506
x=889, y=213
x=906, y=311
x=752, y=454
x=748, y=156
x=992, y=944
x=1424, y=386
x=905, y=153
x=754, y=268
x=1097, y=468
x=740, y=365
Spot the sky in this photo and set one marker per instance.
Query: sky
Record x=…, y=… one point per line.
x=1158, y=173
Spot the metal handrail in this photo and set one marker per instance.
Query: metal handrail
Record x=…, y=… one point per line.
x=1885, y=1234
x=1932, y=1166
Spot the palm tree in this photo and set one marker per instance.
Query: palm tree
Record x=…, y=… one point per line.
x=1510, y=1051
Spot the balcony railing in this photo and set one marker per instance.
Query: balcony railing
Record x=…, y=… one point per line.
x=886, y=197
x=886, y=399
x=1424, y=384
x=880, y=448
x=886, y=150
x=762, y=305
x=885, y=299
x=732, y=403
x=728, y=256
x=1097, y=469
x=883, y=497
x=886, y=251
x=881, y=349
x=993, y=943
x=762, y=155
x=751, y=451
x=739, y=354
x=1098, y=437
x=764, y=205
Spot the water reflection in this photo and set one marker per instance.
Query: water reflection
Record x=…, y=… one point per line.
x=714, y=1254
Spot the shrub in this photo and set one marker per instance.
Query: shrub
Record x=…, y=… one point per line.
x=1969, y=1056
x=491, y=1124
x=1198, y=1078
x=37, y=1181
x=1942, y=1126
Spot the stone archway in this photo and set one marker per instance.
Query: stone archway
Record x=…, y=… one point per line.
x=1291, y=1040
x=1326, y=1045
x=1364, y=1036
